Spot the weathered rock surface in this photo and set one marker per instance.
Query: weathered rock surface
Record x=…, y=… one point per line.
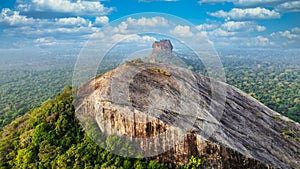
x=178, y=113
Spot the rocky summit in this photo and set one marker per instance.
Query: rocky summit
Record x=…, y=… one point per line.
x=162, y=45
x=172, y=114
x=162, y=52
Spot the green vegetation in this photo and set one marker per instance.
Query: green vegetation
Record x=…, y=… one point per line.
x=274, y=82
x=23, y=90
x=209, y=91
x=153, y=69
x=275, y=117
x=27, y=81
x=135, y=61
x=194, y=163
x=290, y=133
x=192, y=131
x=174, y=113
x=51, y=137
x=259, y=116
x=164, y=72
x=156, y=70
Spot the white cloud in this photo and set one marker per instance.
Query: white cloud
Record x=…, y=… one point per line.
x=79, y=28
x=234, y=26
x=230, y=29
x=247, y=34
x=289, y=38
x=132, y=38
x=241, y=42
x=291, y=6
x=101, y=20
x=121, y=28
x=31, y=27
x=158, y=0
x=260, y=28
x=296, y=30
x=72, y=21
x=247, y=14
x=285, y=34
x=52, y=31
x=258, y=2
x=182, y=31
x=248, y=3
x=213, y=1
x=64, y=6
x=132, y=24
x=40, y=42
x=151, y=22
x=205, y=27
x=261, y=41
x=220, y=32
x=13, y=18
x=242, y=26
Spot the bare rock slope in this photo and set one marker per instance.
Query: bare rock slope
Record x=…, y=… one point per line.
x=215, y=120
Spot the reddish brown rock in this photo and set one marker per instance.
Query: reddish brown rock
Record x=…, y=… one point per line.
x=162, y=45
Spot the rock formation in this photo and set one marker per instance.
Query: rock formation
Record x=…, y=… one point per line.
x=191, y=115
x=162, y=52
x=162, y=45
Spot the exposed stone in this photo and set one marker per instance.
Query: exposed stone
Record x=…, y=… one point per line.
x=162, y=53
x=202, y=117
x=162, y=45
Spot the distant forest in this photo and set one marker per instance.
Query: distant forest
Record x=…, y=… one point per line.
x=273, y=80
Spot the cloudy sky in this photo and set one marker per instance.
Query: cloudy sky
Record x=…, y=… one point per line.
x=227, y=23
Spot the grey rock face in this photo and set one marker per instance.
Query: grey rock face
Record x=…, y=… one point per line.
x=179, y=113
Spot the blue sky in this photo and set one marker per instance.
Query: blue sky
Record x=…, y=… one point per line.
x=56, y=24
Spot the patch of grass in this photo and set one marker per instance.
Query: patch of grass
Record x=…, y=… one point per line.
x=174, y=112
x=259, y=116
x=154, y=69
x=194, y=162
x=192, y=131
x=290, y=133
x=161, y=71
x=276, y=117
x=164, y=72
x=209, y=91
x=134, y=61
